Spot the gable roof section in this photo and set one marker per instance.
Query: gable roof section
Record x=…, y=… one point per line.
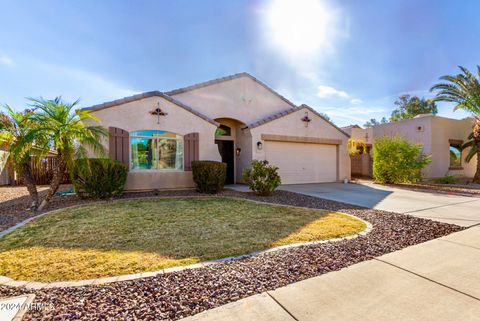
x=149, y=94
x=227, y=78
x=351, y=126
x=289, y=111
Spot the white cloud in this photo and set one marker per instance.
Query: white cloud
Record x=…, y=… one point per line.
x=356, y=101
x=357, y=114
x=5, y=60
x=303, y=33
x=96, y=81
x=328, y=92
x=38, y=78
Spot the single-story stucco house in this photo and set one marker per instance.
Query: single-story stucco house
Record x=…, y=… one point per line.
x=440, y=137
x=234, y=119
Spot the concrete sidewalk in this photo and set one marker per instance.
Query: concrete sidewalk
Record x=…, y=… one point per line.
x=438, y=280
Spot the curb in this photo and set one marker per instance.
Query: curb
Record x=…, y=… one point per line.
x=6, y=281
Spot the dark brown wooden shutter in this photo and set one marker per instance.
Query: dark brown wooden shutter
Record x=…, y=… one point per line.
x=119, y=144
x=190, y=150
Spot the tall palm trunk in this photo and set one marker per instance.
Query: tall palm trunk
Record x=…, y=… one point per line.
x=29, y=180
x=476, y=139
x=58, y=173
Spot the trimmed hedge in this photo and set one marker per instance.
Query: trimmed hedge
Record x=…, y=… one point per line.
x=209, y=176
x=262, y=178
x=98, y=177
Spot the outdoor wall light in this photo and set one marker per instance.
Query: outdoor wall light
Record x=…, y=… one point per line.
x=259, y=145
x=238, y=151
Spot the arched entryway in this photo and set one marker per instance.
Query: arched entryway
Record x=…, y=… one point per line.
x=233, y=147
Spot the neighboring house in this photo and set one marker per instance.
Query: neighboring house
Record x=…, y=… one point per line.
x=234, y=119
x=440, y=137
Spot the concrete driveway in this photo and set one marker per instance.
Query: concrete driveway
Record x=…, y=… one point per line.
x=459, y=210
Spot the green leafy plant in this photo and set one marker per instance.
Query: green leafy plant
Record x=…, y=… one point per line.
x=464, y=91
x=70, y=132
x=411, y=106
x=98, y=177
x=447, y=179
x=25, y=144
x=396, y=160
x=356, y=147
x=262, y=177
x=209, y=176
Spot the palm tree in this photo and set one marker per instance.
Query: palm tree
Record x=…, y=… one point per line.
x=473, y=148
x=70, y=132
x=464, y=90
x=25, y=143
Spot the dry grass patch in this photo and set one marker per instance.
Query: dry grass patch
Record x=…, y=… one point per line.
x=123, y=237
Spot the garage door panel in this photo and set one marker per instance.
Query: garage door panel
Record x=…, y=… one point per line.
x=303, y=163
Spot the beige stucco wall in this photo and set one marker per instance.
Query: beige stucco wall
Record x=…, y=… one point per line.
x=291, y=125
x=445, y=129
x=240, y=98
x=362, y=134
x=417, y=130
x=136, y=115
x=433, y=133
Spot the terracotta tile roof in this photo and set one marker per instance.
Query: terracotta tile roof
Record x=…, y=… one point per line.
x=289, y=111
x=148, y=94
x=227, y=78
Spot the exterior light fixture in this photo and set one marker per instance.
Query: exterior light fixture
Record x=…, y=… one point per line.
x=259, y=145
x=238, y=151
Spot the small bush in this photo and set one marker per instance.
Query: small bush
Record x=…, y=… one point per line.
x=98, y=177
x=396, y=160
x=209, y=176
x=262, y=177
x=448, y=179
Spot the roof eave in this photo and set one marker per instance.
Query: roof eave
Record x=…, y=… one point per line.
x=149, y=94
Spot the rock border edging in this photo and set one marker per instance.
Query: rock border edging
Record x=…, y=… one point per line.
x=33, y=285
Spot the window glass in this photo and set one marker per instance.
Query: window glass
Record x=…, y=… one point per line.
x=223, y=130
x=143, y=153
x=170, y=155
x=156, y=149
x=455, y=155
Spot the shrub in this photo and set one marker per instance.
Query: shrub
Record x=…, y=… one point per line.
x=447, y=179
x=396, y=160
x=209, y=176
x=356, y=147
x=98, y=177
x=262, y=177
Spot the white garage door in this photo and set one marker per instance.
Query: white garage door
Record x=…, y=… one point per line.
x=300, y=163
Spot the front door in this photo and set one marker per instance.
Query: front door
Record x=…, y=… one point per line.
x=225, y=147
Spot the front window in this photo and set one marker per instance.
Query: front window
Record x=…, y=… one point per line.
x=156, y=149
x=455, y=155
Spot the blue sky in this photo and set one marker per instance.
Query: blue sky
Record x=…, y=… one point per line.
x=350, y=59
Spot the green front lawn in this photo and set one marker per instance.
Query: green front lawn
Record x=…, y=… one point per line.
x=123, y=237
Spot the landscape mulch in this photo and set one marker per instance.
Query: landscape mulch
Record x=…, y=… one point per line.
x=180, y=294
x=472, y=190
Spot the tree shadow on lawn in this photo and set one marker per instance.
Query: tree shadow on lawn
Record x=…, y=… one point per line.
x=140, y=235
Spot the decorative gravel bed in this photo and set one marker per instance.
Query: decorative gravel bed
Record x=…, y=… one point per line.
x=463, y=190
x=180, y=294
